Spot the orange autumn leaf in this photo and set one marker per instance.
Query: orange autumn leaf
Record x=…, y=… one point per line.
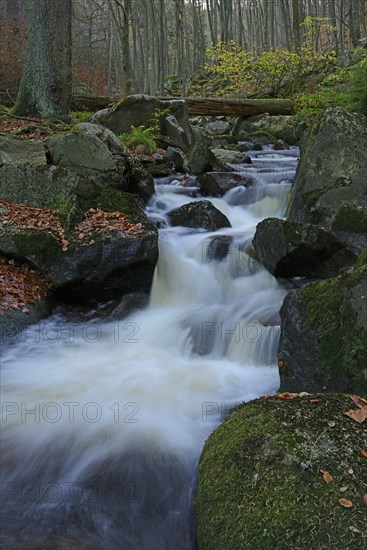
x=364, y=453
x=313, y=401
x=328, y=478
x=345, y=502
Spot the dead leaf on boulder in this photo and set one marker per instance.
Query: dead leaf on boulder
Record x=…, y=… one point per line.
x=345, y=502
x=328, y=478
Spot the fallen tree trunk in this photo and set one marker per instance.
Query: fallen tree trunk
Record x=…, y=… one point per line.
x=238, y=107
x=203, y=106
x=90, y=103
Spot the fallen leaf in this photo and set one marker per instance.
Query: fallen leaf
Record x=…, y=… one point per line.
x=313, y=401
x=343, y=489
x=328, y=478
x=359, y=401
x=345, y=502
x=351, y=471
x=304, y=394
x=331, y=424
x=358, y=415
x=365, y=499
x=364, y=453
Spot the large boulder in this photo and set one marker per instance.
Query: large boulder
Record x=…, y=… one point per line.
x=199, y=215
x=216, y=184
x=88, y=156
x=282, y=127
x=139, y=110
x=324, y=334
x=15, y=151
x=291, y=249
x=278, y=473
x=100, y=255
x=330, y=184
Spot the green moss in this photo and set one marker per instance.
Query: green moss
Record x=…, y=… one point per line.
x=342, y=332
x=260, y=484
x=60, y=203
x=351, y=218
x=362, y=259
x=112, y=200
x=292, y=232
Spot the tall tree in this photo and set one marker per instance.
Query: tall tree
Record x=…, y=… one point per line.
x=45, y=89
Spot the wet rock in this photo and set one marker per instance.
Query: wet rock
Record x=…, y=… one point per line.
x=280, y=145
x=176, y=157
x=260, y=484
x=201, y=159
x=130, y=304
x=216, y=184
x=324, y=334
x=216, y=248
x=198, y=215
x=231, y=157
x=330, y=184
x=291, y=249
x=141, y=182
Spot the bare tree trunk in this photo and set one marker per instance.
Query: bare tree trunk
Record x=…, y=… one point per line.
x=45, y=88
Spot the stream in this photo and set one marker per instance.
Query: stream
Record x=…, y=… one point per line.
x=103, y=421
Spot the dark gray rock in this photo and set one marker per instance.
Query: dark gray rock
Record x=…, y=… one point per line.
x=290, y=249
x=88, y=156
x=176, y=157
x=216, y=248
x=324, y=334
x=217, y=128
x=141, y=182
x=216, y=184
x=198, y=215
x=130, y=304
x=330, y=184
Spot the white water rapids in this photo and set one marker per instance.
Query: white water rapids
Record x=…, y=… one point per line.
x=103, y=422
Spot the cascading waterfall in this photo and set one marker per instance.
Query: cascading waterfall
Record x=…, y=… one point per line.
x=103, y=422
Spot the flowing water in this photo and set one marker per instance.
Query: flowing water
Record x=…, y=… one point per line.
x=103, y=422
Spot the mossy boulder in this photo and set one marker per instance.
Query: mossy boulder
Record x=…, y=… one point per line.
x=291, y=249
x=198, y=215
x=107, y=264
x=260, y=480
x=88, y=156
x=323, y=335
x=330, y=184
